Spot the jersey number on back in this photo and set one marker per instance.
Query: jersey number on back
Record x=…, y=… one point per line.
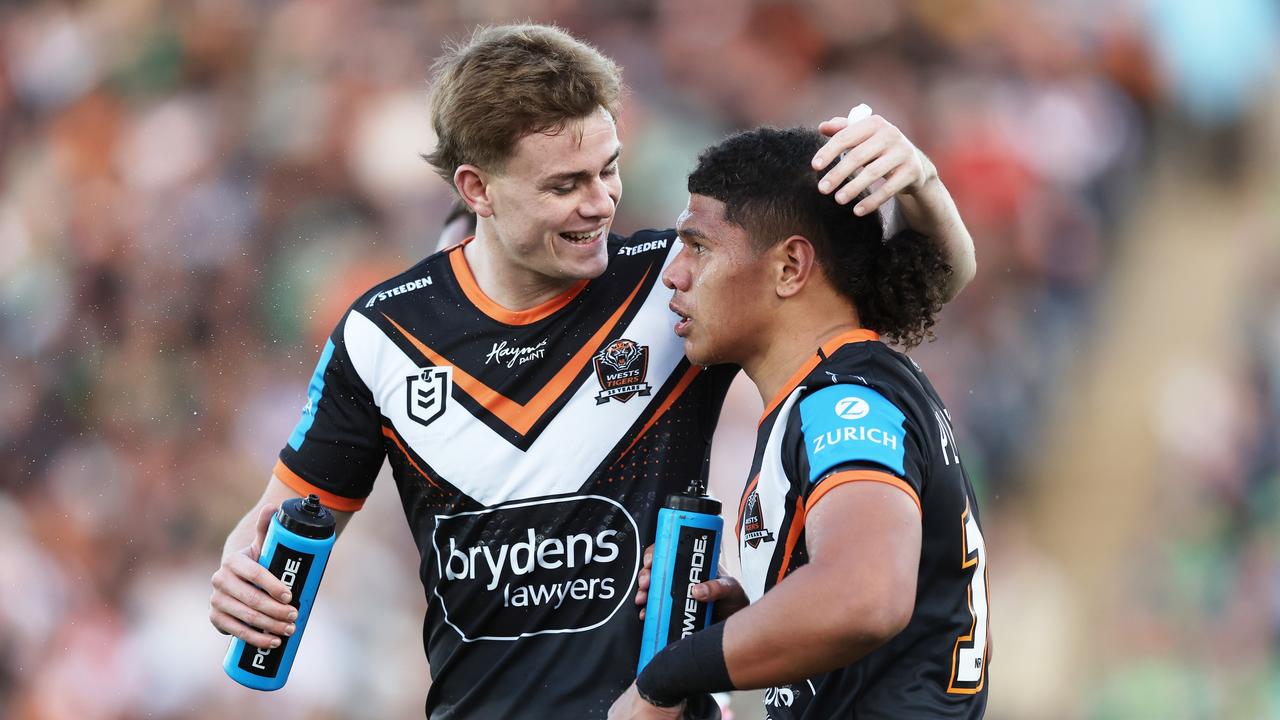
x=968, y=660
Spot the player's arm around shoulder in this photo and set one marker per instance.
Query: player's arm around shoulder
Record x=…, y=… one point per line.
x=248, y=601
x=875, y=149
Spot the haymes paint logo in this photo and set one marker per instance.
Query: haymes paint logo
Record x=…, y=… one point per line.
x=528, y=568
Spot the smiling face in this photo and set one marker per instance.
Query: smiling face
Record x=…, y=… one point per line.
x=724, y=288
x=549, y=209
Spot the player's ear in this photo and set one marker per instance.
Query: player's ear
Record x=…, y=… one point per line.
x=795, y=260
x=473, y=186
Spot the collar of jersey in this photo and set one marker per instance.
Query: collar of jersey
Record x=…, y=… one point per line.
x=828, y=348
x=486, y=304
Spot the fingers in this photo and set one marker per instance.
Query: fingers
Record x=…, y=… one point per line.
x=231, y=593
x=895, y=183
x=845, y=139
x=250, y=605
x=642, y=580
x=864, y=153
x=872, y=149
x=642, y=589
x=882, y=166
x=832, y=126
x=646, y=569
x=243, y=570
x=229, y=625
x=248, y=600
x=233, y=607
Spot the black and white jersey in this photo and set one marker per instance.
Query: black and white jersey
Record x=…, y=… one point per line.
x=531, y=450
x=860, y=412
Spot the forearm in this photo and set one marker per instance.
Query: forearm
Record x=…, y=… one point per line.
x=785, y=638
x=777, y=640
x=931, y=211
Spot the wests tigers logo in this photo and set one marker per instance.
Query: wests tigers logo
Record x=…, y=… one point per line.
x=621, y=368
x=753, y=530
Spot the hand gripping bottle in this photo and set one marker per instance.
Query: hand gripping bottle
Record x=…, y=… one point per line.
x=686, y=552
x=296, y=550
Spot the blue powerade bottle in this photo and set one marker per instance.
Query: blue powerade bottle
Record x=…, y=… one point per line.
x=686, y=552
x=296, y=550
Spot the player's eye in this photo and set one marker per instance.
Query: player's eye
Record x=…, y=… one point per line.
x=562, y=189
x=610, y=171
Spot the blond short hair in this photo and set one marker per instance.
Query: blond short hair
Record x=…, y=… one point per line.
x=508, y=81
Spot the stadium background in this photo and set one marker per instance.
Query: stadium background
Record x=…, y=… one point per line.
x=193, y=191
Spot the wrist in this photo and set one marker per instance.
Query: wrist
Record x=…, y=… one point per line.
x=690, y=666
x=929, y=182
x=656, y=701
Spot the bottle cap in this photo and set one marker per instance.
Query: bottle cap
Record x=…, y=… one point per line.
x=307, y=517
x=693, y=503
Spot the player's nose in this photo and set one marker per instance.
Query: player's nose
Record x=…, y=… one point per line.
x=599, y=201
x=675, y=277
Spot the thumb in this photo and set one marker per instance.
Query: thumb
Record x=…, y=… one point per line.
x=260, y=530
x=714, y=590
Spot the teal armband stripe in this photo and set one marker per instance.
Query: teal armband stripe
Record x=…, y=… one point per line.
x=314, y=391
x=851, y=424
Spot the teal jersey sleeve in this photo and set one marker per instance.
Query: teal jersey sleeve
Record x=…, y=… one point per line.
x=337, y=444
x=848, y=424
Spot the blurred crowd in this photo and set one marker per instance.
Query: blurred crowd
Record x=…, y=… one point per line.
x=193, y=192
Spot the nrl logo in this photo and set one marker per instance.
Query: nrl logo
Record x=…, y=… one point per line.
x=427, y=393
x=621, y=367
x=753, y=530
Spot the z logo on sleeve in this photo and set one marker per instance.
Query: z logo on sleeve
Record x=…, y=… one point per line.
x=851, y=423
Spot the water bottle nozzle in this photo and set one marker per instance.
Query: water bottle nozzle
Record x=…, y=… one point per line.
x=311, y=505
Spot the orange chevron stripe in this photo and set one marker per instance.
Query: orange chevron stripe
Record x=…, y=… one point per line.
x=742, y=504
x=517, y=416
x=389, y=433
x=793, y=537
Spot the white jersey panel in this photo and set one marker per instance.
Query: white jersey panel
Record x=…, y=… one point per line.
x=772, y=489
x=469, y=455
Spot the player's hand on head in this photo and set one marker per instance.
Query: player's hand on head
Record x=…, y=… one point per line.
x=248, y=601
x=642, y=580
x=874, y=149
x=630, y=706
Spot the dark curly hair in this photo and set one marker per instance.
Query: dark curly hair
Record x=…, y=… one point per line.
x=769, y=189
